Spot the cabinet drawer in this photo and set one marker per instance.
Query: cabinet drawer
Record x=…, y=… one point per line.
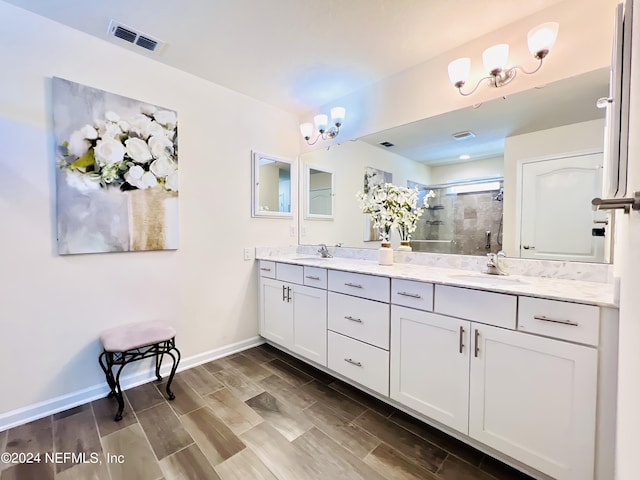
x=568, y=321
x=359, y=318
x=267, y=269
x=362, y=363
x=410, y=293
x=289, y=273
x=497, y=309
x=315, y=277
x=359, y=285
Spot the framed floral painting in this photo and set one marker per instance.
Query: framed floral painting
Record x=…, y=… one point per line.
x=116, y=172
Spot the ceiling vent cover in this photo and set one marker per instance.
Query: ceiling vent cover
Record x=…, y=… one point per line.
x=128, y=34
x=463, y=135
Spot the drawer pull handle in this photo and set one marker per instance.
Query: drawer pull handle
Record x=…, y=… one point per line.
x=353, y=319
x=407, y=294
x=554, y=320
x=354, y=285
x=312, y=277
x=265, y=269
x=353, y=362
x=461, y=339
x=477, y=343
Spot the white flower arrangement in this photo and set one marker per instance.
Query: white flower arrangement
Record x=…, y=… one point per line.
x=134, y=153
x=391, y=206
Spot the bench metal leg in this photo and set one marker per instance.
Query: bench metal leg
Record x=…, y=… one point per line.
x=109, y=360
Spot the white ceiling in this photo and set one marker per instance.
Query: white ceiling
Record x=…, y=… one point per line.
x=294, y=54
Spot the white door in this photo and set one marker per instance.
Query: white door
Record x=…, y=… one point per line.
x=276, y=312
x=310, y=323
x=556, y=214
x=430, y=365
x=534, y=399
x=627, y=261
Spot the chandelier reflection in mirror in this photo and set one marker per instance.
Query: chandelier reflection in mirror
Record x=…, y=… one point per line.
x=539, y=39
x=322, y=127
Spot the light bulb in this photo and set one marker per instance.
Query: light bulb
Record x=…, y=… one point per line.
x=459, y=71
x=495, y=58
x=321, y=122
x=541, y=38
x=306, y=129
x=337, y=115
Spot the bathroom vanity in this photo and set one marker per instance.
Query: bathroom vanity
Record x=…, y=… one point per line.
x=522, y=368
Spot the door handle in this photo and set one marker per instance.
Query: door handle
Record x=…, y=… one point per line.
x=284, y=293
x=461, y=339
x=528, y=247
x=617, y=203
x=288, y=294
x=476, y=348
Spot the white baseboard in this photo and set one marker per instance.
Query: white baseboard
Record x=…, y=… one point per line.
x=38, y=410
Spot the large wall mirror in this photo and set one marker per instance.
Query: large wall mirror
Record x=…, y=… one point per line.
x=535, y=161
x=271, y=178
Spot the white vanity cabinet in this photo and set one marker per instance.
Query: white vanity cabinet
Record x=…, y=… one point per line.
x=358, y=322
x=534, y=399
x=529, y=380
x=291, y=314
x=529, y=397
x=430, y=365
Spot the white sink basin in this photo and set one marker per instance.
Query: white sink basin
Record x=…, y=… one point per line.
x=312, y=259
x=486, y=279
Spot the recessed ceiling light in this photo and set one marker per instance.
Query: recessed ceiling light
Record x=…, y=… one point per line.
x=465, y=157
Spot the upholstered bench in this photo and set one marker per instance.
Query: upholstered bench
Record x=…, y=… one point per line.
x=128, y=343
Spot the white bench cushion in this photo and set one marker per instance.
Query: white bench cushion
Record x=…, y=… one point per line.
x=135, y=335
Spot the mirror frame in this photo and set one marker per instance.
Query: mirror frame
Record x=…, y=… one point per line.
x=307, y=190
x=256, y=157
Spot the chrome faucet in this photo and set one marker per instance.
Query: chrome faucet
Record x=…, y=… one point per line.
x=324, y=252
x=493, y=263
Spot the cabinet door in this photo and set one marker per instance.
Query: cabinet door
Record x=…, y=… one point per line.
x=430, y=365
x=276, y=312
x=534, y=399
x=310, y=323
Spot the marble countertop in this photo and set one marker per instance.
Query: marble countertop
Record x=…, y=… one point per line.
x=593, y=293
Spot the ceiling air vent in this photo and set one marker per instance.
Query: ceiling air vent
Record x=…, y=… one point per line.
x=131, y=35
x=463, y=135
x=387, y=144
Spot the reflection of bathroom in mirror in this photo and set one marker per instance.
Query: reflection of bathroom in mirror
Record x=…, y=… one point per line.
x=548, y=138
x=318, y=188
x=271, y=186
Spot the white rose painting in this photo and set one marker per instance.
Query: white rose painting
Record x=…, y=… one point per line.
x=116, y=172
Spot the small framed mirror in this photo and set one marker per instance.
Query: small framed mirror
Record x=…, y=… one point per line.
x=319, y=193
x=271, y=186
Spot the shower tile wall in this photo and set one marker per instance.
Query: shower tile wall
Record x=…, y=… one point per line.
x=459, y=223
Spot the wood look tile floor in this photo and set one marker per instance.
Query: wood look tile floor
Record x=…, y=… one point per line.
x=260, y=414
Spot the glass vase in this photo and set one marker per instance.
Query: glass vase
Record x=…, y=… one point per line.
x=405, y=246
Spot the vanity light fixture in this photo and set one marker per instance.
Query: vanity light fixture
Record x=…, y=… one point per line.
x=539, y=39
x=321, y=122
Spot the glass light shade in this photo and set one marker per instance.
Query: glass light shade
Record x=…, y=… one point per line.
x=306, y=129
x=495, y=58
x=459, y=70
x=337, y=115
x=542, y=37
x=321, y=122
